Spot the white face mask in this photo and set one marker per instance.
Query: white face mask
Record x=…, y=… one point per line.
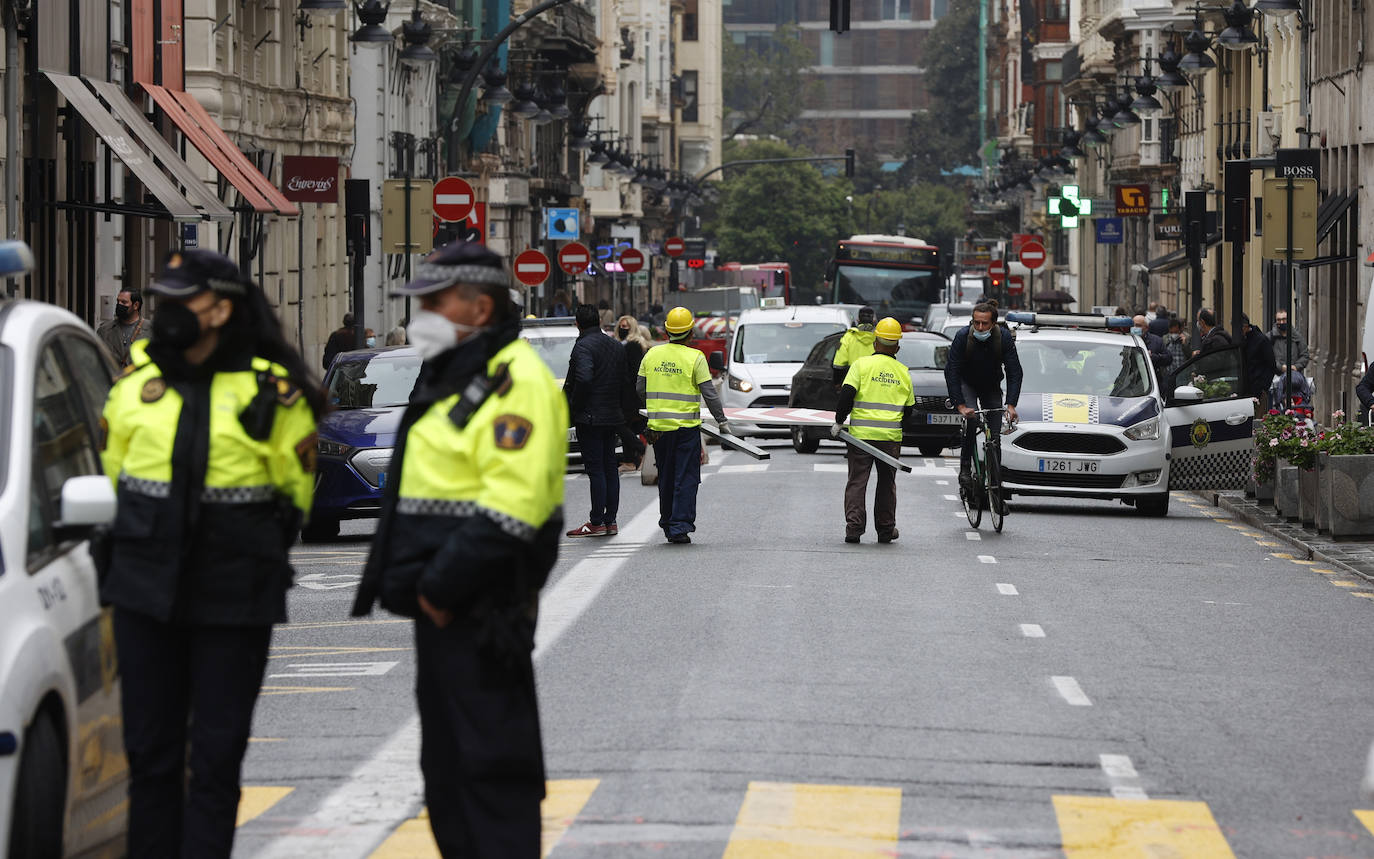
x=433, y=334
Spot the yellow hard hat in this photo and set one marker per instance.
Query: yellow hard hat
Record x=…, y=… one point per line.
x=679, y=320
x=888, y=329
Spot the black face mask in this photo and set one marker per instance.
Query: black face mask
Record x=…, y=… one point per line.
x=175, y=326
x=623, y=332
x=1283, y=326
x=123, y=312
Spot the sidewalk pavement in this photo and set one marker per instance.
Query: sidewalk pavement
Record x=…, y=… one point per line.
x=1351, y=556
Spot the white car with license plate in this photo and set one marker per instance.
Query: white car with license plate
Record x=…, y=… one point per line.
x=768, y=346
x=1097, y=421
x=62, y=769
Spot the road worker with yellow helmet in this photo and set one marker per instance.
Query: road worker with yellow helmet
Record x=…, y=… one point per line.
x=875, y=397
x=673, y=380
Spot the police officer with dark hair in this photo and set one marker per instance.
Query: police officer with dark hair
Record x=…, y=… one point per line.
x=210, y=440
x=469, y=530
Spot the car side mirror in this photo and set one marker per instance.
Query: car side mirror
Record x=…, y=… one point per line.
x=87, y=501
x=1187, y=394
x=716, y=361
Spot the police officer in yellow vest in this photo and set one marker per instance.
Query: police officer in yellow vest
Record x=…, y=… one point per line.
x=876, y=396
x=210, y=440
x=856, y=343
x=673, y=380
x=469, y=531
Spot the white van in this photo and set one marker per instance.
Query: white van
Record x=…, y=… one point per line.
x=768, y=347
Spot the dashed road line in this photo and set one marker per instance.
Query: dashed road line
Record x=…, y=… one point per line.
x=972, y=535
x=1070, y=691
x=1122, y=776
x=1007, y=590
x=986, y=559
x=1032, y=630
x=951, y=497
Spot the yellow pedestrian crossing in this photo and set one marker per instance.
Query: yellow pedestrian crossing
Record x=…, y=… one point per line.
x=253, y=801
x=817, y=821
x=565, y=800
x=1098, y=827
x=822, y=821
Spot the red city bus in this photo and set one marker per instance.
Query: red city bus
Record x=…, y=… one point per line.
x=897, y=276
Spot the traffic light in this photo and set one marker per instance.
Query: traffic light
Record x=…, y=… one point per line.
x=839, y=15
x=849, y=163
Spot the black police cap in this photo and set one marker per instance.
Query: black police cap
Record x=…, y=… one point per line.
x=185, y=273
x=456, y=262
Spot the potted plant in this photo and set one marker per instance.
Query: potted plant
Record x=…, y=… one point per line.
x=1264, y=470
x=1346, y=478
x=1296, y=445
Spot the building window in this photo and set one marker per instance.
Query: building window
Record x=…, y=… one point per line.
x=1057, y=10
x=689, y=21
x=896, y=10
x=827, y=48
x=1054, y=71
x=938, y=8
x=1061, y=245
x=689, y=97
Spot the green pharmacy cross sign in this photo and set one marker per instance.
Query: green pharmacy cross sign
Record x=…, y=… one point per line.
x=1068, y=207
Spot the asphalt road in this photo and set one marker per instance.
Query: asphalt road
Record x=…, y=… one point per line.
x=1088, y=683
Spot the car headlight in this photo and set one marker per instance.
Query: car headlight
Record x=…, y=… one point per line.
x=1147, y=430
x=333, y=448
x=738, y=384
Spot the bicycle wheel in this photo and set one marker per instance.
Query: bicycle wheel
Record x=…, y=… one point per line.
x=996, y=503
x=972, y=508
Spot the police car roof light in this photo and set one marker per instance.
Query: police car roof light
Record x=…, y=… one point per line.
x=1068, y=320
x=15, y=258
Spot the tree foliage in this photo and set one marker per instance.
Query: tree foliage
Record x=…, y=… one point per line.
x=765, y=87
x=946, y=135
x=787, y=212
x=933, y=213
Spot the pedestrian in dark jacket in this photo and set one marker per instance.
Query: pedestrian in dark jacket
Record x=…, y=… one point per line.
x=1214, y=338
x=1159, y=326
x=973, y=374
x=342, y=339
x=596, y=391
x=1279, y=335
x=1259, y=362
x=1154, y=344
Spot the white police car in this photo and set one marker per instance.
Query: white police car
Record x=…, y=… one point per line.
x=1097, y=421
x=62, y=768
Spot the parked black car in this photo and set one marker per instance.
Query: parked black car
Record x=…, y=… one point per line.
x=933, y=425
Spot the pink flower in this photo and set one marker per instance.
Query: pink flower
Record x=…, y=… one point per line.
x=1273, y=442
x=1304, y=442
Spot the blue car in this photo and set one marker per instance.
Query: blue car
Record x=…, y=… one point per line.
x=368, y=390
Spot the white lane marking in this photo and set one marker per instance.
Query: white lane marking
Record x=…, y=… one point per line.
x=1122, y=776
x=1070, y=691
x=951, y=497
x=927, y=471
x=328, y=582
x=387, y=788
x=831, y=466
x=743, y=469
x=972, y=535
x=959, y=513
x=1032, y=630
x=986, y=559
x=1007, y=590
x=337, y=669
x=942, y=483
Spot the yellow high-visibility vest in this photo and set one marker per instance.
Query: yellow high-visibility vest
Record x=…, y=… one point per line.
x=883, y=386
x=673, y=375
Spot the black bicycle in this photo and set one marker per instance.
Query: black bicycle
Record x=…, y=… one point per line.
x=987, y=473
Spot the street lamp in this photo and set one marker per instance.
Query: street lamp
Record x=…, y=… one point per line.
x=494, y=85
x=372, y=33
x=1169, y=77
x=415, y=34
x=1145, y=103
x=524, y=105
x=1237, y=36
x=1092, y=135
x=1196, y=62
x=1124, y=116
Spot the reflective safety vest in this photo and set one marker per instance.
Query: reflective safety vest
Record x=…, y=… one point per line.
x=673, y=375
x=883, y=386
x=506, y=463
x=855, y=344
x=206, y=473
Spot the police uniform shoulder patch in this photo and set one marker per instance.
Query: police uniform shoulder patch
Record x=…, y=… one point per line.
x=153, y=389
x=512, y=431
x=287, y=393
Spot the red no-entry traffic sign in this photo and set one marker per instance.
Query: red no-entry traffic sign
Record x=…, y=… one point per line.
x=531, y=267
x=997, y=269
x=453, y=199
x=674, y=247
x=631, y=260
x=1032, y=255
x=574, y=257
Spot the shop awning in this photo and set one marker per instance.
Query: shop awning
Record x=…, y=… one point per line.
x=206, y=135
x=1175, y=260
x=134, y=120
x=1329, y=212
x=124, y=147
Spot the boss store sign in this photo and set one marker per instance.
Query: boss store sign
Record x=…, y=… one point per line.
x=1298, y=163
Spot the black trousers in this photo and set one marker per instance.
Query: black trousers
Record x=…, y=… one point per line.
x=480, y=747
x=856, y=491
x=180, y=681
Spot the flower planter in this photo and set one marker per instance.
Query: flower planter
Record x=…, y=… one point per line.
x=1348, y=483
x=1307, y=496
x=1286, y=490
x=1264, y=492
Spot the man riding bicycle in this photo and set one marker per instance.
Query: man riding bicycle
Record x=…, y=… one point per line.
x=980, y=353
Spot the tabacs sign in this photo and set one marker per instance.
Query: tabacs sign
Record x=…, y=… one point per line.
x=1132, y=200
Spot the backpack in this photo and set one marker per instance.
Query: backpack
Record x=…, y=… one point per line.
x=996, y=342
